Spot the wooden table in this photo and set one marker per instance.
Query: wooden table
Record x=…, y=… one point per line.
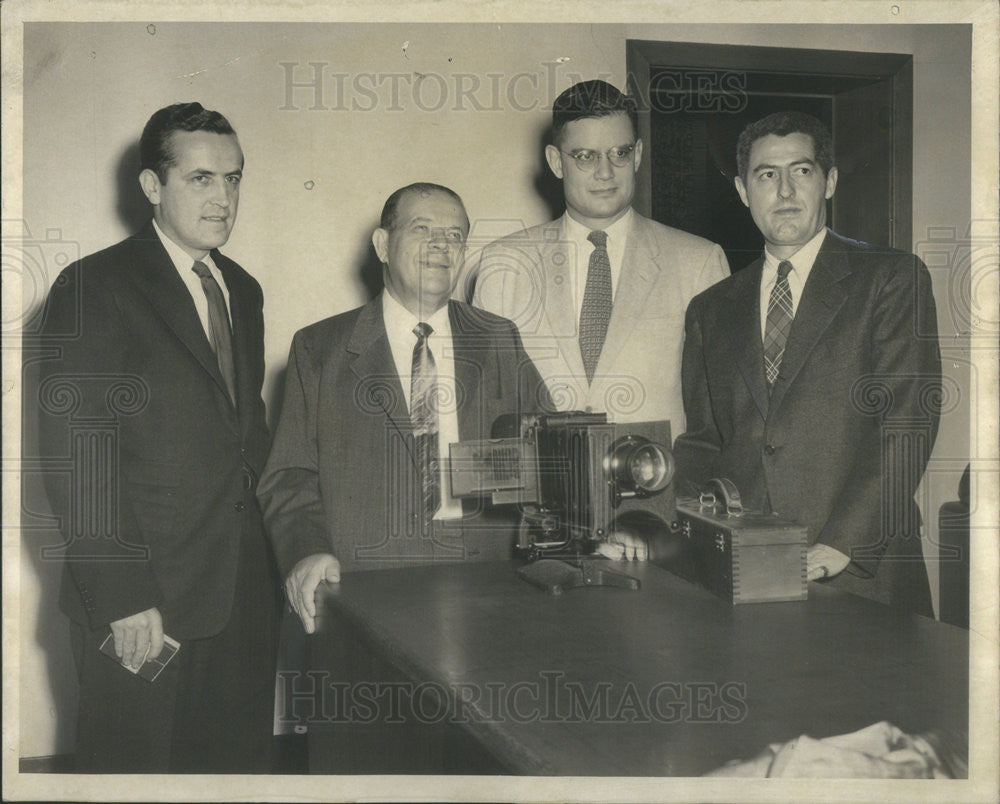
x=668, y=680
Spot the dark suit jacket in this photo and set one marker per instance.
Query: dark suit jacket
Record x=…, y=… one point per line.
x=162, y=457
x=844, y=438
x=340, y=477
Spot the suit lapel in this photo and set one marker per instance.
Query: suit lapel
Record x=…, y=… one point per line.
x=475, y=372
x=639, y=272
x=742, y=324
x=375, y=368
x=559, y=307
x=157, y=279
x=242, y=320
x=823, y=295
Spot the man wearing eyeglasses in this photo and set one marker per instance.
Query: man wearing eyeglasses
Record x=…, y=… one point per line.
x=599, y=294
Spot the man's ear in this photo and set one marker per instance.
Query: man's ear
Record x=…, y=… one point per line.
x=638, y=155
x=380, y=239
x=742, y=190
x=554, y=158
x=831, y=182
x=150, y=184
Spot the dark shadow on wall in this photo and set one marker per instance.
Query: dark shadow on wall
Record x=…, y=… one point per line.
x=274, y=395
x=365, y=267
x=40, y=535
x=368, y=267
x=133, y=209
x=548, y=187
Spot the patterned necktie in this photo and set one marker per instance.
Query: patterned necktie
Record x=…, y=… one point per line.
x=424, y=417
x=219, y=331
x=596, y=310
x=779, y=322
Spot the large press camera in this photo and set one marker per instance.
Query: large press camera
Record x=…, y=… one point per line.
x=579, y=480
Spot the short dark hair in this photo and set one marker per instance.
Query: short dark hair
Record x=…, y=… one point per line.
x=388, y=219
x=591, y=99
x=781, y=124
x=155, y=151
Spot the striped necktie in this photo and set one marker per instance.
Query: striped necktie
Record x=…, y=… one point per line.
x=424, y=418
x=779, y=322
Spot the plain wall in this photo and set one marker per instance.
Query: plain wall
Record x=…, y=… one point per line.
x=316, y=178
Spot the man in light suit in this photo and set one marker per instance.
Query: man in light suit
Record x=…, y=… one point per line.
x=358, y=475
x=805, y=379
x=155, y=397
x=599, y=294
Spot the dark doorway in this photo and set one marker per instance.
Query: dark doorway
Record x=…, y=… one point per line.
x=695, y=99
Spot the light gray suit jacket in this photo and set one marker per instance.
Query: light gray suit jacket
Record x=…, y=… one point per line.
x=527, y=277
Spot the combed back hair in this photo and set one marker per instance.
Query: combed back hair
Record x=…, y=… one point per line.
x=388, y=219
x=591, y=99
x=781, y=124
x=155, y=149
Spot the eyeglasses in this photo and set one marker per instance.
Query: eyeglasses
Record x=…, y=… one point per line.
x=587, y=160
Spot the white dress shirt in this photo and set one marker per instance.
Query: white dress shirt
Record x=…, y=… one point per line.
x=184, y=263
x=575, y=234
x=802, y=263
x=399, y=324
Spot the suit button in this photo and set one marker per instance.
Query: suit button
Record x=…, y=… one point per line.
x=239, y=506
x=769, y=449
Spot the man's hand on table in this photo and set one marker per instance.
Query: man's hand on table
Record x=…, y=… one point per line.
x=623, y=545
x=301, y=583
x=138, y=636
x=824, y=562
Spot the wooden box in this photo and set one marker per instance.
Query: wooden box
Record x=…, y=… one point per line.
x=743, y=557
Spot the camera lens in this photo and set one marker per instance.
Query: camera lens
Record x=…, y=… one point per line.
x=650, y=468
x=639, y=467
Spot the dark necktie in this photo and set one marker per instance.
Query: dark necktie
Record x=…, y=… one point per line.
x=596, y=310
x=779, y=322
x=424, y=417
x=219, y=331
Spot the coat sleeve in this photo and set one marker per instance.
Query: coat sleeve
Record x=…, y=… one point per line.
x=714, y=269
x=903, y=395
x=289, y=489
x=696, y=449
x=533, y=394
x=81, y=382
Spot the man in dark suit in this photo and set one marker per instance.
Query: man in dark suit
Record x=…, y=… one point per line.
x=160, y=353
x=358, y=475
x=805, y=379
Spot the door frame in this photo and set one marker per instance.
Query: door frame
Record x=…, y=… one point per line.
x=894, y=70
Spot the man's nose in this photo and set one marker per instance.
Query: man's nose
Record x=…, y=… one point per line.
x=603, y=169
x=223, y=193
x=785, y=187
x=439, y=239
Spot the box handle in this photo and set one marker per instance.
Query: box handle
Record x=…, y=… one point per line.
x=721, y=488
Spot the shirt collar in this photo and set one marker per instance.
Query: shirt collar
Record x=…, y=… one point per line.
x=399, y=322
x=576, y=231
x=802, y=260
x=182, y=261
